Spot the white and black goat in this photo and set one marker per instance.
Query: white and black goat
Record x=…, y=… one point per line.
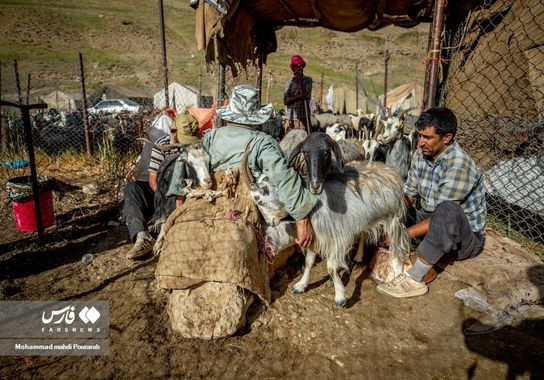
x=361, y=200
x=398, y=147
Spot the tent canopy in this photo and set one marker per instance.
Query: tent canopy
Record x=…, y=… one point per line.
x=62, y=100
x=236, y=32
x=181, y=97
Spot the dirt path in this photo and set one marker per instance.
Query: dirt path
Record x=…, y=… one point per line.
x=298, y=336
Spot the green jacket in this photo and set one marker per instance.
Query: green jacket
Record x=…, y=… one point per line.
x=226, y=147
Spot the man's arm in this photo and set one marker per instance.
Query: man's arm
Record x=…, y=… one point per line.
x=305, y=232
x=420, y=229
x=153, y=181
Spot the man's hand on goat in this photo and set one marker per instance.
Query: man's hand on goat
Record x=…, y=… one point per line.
x=305, y=232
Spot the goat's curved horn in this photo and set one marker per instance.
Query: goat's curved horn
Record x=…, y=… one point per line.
x=163, y=148
x=246, y=172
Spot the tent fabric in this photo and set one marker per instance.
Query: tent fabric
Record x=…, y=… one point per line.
x=180, y=97
x=62, y=101
x=408, y=96
x=116, y=92
x=248, y=28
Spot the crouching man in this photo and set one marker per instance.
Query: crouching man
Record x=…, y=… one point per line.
x=447, y=191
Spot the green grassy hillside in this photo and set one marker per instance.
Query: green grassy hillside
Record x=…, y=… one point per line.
x=120, y=43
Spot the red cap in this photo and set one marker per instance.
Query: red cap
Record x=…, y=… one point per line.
x=297, y=60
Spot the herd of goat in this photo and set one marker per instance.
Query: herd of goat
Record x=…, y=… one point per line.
x=56, y=132
x=355, y=165
x=360, y=198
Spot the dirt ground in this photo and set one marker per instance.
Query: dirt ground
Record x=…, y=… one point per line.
x=298, y=336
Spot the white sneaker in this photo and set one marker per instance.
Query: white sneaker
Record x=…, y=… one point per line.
x=141, y=248
x=403, y=286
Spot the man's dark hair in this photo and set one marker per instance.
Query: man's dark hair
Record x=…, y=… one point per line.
x=442, y=119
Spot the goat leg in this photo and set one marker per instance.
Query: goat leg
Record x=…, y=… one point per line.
x=339, y=290
x=300, y=286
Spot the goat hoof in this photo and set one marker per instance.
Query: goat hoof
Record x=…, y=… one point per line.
x=295, y=290
x=340, y=303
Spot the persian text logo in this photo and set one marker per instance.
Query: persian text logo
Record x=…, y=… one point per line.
x=89, y=315
x=66, y=314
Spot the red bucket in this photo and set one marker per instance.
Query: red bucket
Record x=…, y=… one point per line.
x=25, y=212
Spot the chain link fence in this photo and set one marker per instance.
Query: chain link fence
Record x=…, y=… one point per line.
x=81, y=166
x=495, y=86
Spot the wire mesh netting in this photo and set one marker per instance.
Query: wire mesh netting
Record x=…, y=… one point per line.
x=82, y=167
x=495, y=85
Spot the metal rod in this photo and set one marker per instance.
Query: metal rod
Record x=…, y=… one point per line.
x=28, y=90
x=268, y=86
x=199, y=101
x=321, y=83
x=356, y=86
x=164, y=61
x=386, y=72
x=259, y=83
x=17, y=81
x=3, y=132
x=220, y=90
x=434, y=55
x=84, y=107
x=33, y=173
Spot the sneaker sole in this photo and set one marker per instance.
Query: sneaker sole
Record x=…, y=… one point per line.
x=413, y=293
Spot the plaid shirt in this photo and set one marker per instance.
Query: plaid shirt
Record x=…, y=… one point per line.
x=296, y=110
x=454, y=177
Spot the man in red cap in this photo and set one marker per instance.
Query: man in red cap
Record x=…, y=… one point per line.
x=297, y=95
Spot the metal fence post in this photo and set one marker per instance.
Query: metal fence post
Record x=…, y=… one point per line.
x=164, y=62
x=220, y=90
x=434, y=54
x=17, y=81
x=84, y=107
x=25, y=112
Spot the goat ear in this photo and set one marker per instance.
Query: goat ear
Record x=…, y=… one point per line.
x=294, y=153
x=338, y=155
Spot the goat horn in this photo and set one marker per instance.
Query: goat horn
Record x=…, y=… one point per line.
x=163, y=147
x=246, y=173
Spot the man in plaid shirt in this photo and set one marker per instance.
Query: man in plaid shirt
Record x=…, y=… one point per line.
x=447, y=191
x=297, y=95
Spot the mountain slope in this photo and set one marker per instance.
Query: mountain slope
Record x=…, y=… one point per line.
x=120, y=43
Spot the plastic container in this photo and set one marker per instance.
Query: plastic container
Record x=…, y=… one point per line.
x=20, y=192
x=25, y=212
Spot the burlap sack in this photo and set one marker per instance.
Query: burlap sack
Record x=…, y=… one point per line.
x=213, y=241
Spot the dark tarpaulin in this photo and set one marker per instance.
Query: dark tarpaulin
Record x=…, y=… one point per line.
x=247, y=29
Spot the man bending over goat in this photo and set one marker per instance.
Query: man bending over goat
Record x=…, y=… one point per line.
x=447, y=191
x=226, y=146
x=139, y=195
